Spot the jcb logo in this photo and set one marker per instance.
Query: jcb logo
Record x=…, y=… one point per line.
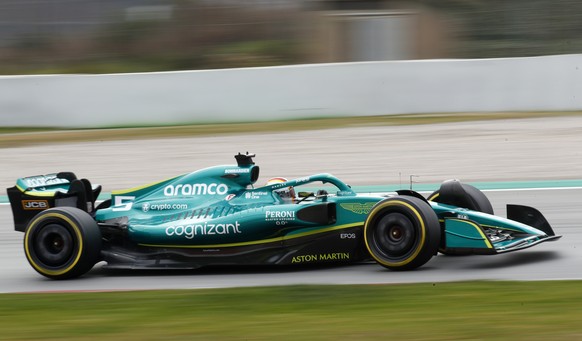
x=35, y=204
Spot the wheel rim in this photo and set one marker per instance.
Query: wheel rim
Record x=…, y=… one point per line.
x=395, y=236
x=53, y=245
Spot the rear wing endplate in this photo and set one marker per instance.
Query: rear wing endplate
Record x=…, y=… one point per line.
x=34, y=194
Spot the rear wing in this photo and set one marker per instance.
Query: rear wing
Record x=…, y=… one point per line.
x=34, y=194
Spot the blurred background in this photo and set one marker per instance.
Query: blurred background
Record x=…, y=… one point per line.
x=115, y=36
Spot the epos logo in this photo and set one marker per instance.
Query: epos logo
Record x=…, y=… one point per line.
x=35, y=204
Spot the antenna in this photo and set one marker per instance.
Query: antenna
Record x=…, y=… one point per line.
x=412, y=181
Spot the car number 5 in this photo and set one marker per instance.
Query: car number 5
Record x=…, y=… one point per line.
x=123, y=203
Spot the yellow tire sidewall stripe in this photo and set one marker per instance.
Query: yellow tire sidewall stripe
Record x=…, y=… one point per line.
x=433, y=197
x=31, y=229
x=422, y=230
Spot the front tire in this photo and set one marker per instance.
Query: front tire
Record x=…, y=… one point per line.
x=62, y=243
x=402, y=233
x=479, y=201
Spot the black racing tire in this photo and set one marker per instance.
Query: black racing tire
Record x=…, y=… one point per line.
x=402, y=233
x=62, y=243
x=482, y=202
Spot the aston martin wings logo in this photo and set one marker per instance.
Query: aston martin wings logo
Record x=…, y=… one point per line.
x=358, y=208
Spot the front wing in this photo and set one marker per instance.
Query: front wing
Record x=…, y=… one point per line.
x=464, y=236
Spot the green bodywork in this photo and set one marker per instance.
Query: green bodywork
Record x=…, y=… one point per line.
x=465, y=228
x=220, y=207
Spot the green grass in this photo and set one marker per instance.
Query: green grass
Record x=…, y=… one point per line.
x=442, y=311
x=21, y=136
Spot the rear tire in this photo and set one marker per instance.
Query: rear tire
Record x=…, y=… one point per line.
x=62, y=243
x=402, y=233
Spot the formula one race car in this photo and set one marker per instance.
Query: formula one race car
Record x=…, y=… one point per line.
x=215, y=216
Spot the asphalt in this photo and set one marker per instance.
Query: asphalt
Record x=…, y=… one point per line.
x=544, y=152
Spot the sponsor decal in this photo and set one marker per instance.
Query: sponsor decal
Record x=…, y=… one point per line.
x=321, y=257
x=358, y=208
x=44, y=181
x=163, y=207
x=195, y=189
x=302, y=180
x=279, y=215
x=462, y=216
x=237, y=171
x=230, y=197
x=285, y=184
x=206, y=229
x=35, y=204
x=304, y=259
x=347, y=236
x=255, y=195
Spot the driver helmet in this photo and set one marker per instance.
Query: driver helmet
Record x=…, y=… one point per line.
x=287, y=194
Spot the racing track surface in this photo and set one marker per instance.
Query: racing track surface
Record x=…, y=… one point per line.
x=509, y=150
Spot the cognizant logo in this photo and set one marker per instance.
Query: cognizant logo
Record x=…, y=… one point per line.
x=190, y=231
x=195, y=189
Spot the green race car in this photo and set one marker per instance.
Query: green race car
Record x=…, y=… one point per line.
x=216, y=216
